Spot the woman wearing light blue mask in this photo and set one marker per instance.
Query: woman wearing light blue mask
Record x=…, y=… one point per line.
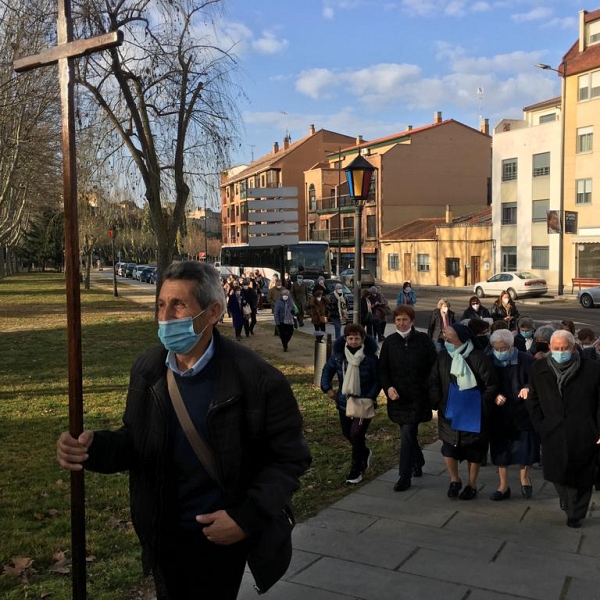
x=513, y=440
x=564, y=404
x=462, y=387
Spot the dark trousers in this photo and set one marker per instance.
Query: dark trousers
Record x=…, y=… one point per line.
x=411, y=454
x=250, y=323
x=574, y=501
x=355, y=430
x=238, y=331
x=285, y=333
x=190, y=567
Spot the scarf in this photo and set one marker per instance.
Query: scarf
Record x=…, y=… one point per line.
x=351, y=383
x=444, y=319
x=460, y=369
x=564, y=372
x=341, y=302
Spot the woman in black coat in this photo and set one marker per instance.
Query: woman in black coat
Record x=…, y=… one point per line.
x=476, y=379
x=475, y=310
x=564, y=404
x=405, y=362
x=441, y=317
x=513, y=440
x=505, y=309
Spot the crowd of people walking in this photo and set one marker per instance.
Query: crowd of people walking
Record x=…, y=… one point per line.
x=504, y=387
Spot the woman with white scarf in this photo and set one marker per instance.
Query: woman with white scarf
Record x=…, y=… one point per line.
x=462, y=388
x=354, y=361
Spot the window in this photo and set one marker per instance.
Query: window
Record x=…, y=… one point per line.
x=509, y=258
x=371, y=226
x=422, y=262
x=393, y=262
x=540, y=257
x=509, y=213
x=589, y=86
x=593, y=33
x=541, y=164
x=539, y=210
x=584, y=191
x=547, y=118
x=312, y=197
x=452, y=267
x=509, y=169
x=585, y=139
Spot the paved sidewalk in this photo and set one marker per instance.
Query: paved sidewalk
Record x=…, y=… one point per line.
x=377, y=544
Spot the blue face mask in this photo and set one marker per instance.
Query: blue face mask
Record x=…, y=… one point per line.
x=561, y=357
x=178, y=335
x=450, y=347
x=503, y=355
x=526, y=334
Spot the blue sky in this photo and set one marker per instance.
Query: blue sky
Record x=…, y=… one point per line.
x=372, y=67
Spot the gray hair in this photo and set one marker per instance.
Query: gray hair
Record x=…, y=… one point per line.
x=503, y=335
x=526, y=322
x=544, y=332
x=564, y=334
x=208, y=288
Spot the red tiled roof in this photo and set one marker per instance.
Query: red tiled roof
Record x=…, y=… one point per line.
x=425, y=228
x=545, y=103
x=419, y=229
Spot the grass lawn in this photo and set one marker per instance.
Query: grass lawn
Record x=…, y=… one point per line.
x=35, y=492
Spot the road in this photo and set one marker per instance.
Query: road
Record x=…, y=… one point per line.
x=541, y=310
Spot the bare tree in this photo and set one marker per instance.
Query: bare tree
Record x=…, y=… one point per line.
x=29, y=127
x=168, y=96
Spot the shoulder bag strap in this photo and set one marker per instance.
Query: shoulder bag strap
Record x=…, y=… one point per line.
x=203, y=452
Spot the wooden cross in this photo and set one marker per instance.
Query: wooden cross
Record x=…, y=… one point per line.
x=64, y=54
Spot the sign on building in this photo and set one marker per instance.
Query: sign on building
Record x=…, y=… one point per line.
x=273, y=216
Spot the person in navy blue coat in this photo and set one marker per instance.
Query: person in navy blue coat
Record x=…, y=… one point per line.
x=235, y=303
x=355, y=350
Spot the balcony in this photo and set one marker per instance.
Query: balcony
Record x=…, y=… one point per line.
x=329, y=204
x=333, y=235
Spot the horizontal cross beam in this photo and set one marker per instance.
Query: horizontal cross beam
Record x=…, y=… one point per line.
x=69, y=50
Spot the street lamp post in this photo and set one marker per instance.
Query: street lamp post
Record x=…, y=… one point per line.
x=562, y=71
x=112, y=233
x=339, y=207
x=358, y=174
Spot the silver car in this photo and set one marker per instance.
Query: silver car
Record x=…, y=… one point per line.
x=590, y=297
x=367, y=279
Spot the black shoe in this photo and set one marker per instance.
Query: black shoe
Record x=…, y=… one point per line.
x=468, y=493
x=454, y=489
x=574, y=523
x=417, y=471
x=498, y=495
x=285, y=349
x=526, y=491
x=251, y=332
x=354, y=476
x=402, y=485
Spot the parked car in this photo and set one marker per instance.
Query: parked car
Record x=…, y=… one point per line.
x=119, y=267
x=589, y=297
x=517, y=284
x=153, y=277
x=145, y=274
x=137, y=271
x=128, y=271
x=367, y=279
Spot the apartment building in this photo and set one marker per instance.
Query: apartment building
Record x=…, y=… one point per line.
x=417, y=173
x=283, y=167
x=526, y=175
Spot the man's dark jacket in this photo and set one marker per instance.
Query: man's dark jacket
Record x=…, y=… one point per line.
x=405, y=364
x=256, y=436
x=568, y=424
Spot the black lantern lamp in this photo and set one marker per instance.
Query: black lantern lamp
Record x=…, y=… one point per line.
x=358, y=173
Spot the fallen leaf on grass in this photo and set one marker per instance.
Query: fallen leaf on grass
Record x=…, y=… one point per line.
x=60, y=563
x=45, y=595
x=20, y=565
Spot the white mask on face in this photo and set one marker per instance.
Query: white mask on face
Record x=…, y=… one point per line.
x=444, y=309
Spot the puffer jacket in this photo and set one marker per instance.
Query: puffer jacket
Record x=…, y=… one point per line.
x=337, y=365
x=255, y=431
x=405, y=364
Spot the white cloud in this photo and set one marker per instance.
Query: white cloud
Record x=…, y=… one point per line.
x=500, y=63
x=481, y=7
x=316, y=83
x=536, y=14
x=563, y=23
x=269, y=44
x=328, y=12
x=455, y=8
x=379, y=79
